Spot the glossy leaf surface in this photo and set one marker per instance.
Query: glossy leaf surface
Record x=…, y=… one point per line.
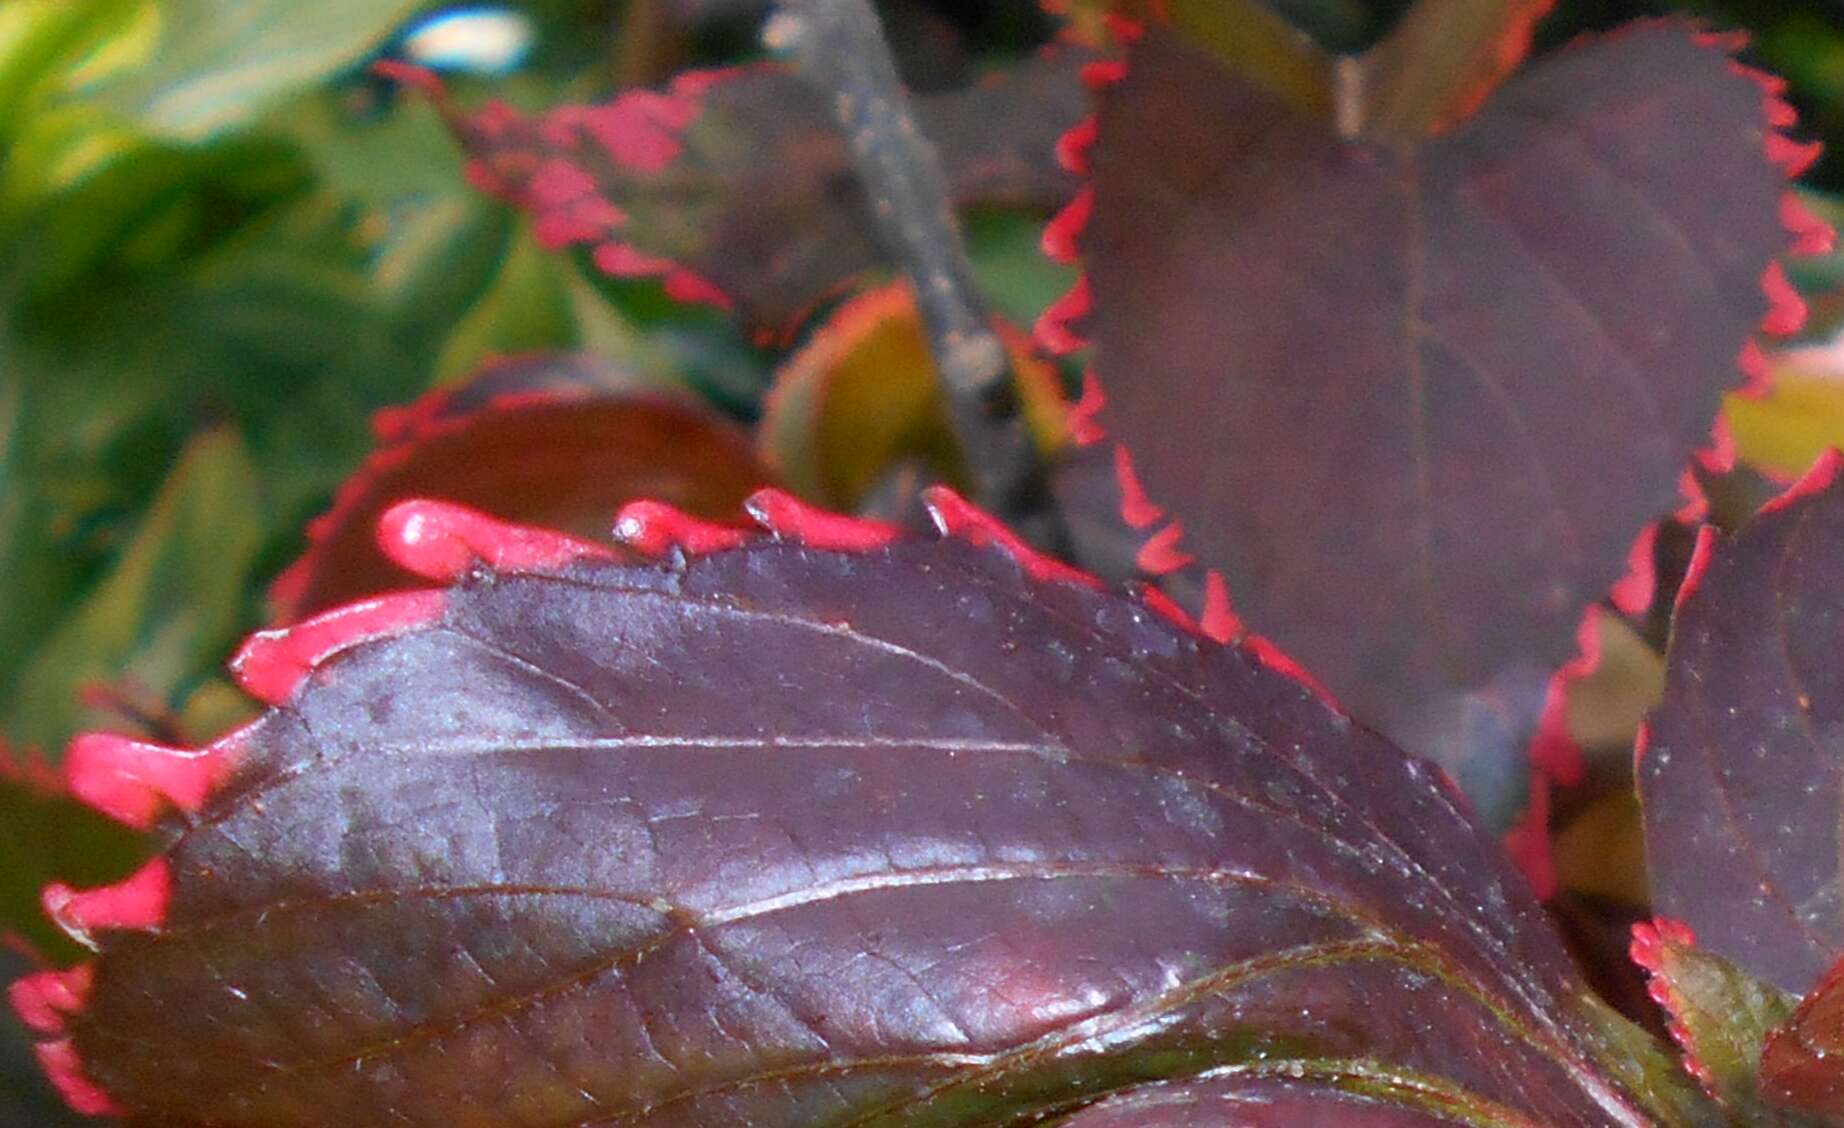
x=923, y=832
x=1418, y=401
x=1740, y=776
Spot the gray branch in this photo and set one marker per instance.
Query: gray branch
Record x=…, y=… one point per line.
x=839, y=46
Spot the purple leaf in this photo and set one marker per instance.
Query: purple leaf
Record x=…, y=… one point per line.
x=1740, y=772
x=1418, y=400
x=735, y=187
x=832, y=827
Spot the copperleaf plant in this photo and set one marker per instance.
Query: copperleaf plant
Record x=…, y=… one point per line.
x=732, y=186
x=783, y=817
x=739, y=835
x=1404, y=389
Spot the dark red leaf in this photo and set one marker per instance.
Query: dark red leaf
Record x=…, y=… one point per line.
x=1740, y=773
x=735, y=186
x=555, y=440
x=828, y=827
x=1802, y=1066
x=1418, y=401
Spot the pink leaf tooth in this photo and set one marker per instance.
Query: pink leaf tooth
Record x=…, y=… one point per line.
x=957, y=517
x=1811, y=235
x=1053, y=327
x=66, y=1073
x=1084, y=429
x=1219, y=618
x=135, y=904
x=654, y=528
x=272, y=664
x=1161, y=554
x=1632, y=593
x=789, y=518
x=1553, y=750
x=1528, y=840
x=1136, y=508
x=1065, y=228
x=133, y=781
x=1073, y=147
x=45, y=999
x=1786, y=310
x=441, y=541
x=1794, y=158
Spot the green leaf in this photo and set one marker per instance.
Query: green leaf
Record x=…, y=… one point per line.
x=40, y=39
x=1439, y=62
x=525, y=309
x=1256, y=42
x=219, y=63
x=1719, y=1016
x=170, y=606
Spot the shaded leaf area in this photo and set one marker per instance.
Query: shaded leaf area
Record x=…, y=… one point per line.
x=861, y=400
x=1802, y=1066
x=557, y=439
x=1531, y=320
x=1740, y=775
x=748, y=838
x=1719, y=1015
x=735, y=186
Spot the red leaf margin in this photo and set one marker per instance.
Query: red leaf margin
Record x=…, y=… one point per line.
x=642, y=130
x=1650, y=941
x=138, y=783
x=1556, y=760
x=503, y=385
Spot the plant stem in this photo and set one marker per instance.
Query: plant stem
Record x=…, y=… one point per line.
x=840, y=46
